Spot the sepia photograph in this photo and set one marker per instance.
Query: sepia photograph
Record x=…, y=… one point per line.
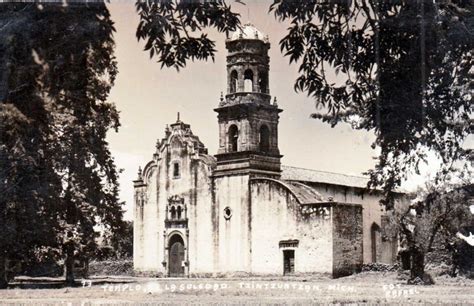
x=237, y=152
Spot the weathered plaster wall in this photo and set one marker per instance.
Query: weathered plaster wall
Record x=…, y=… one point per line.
x=231, y=237
x=388, y=239
x=200, y=221
x=276, y=216
x=150, y=230
x=347, y=239
x=145, y=234
x=138, y=234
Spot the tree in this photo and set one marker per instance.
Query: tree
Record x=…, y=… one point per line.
x=404, y=69
x=29, y=187
x=117, y=244
x=167, y=27
x=123, y=243
x=25, y=195
x=376, y=45
x=439, y=213
x=72, y=68
x=78, y=82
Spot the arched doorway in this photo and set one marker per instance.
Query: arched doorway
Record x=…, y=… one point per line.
x=375, y=238
x=176, y=256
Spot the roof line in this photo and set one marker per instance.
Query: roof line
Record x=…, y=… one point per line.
x=350, y=175
x=282, y=183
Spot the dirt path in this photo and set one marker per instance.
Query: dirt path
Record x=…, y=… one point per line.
x=371, y=287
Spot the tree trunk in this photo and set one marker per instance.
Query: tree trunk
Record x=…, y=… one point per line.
x=70, y=244
x=3, y=271
x=69, y=264
x=417, y=263
x=85, y=272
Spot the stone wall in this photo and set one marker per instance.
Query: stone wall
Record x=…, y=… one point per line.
x=347, y=239
x=372, y=213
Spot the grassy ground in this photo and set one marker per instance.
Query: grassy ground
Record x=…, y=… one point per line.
x=368, y=287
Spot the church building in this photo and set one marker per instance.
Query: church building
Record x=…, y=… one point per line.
x=240, y=211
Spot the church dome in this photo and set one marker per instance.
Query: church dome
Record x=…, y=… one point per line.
x=249, y=31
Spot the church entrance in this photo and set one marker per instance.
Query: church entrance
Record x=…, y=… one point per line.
x=176, y=256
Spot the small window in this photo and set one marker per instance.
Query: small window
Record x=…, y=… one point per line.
x=176, y=173
x=179, y=212
x=227, y=213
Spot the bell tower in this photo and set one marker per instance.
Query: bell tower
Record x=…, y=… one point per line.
x=248, y=121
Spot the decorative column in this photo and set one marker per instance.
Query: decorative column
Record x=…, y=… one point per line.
x=186, y=268
x=165, y=253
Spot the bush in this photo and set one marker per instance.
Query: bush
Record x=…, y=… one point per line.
x=111, y=267
x=379, y=267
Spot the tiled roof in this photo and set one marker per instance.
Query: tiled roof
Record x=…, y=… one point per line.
x=315, y=176
x=304, y=194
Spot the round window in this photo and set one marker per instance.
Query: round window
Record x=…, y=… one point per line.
x=227, y=213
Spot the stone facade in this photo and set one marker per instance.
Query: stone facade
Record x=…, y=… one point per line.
x=240, y=211
x=347, y=239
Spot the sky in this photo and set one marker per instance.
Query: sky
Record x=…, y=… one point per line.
x=149, y=97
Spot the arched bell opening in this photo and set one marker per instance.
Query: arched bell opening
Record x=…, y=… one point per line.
x=233, y=138
x=263, y=81
x=264, y=138
x=248, y=80
x=233, y=82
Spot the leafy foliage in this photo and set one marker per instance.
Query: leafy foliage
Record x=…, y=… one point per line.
x=405, y=73
x=60, y=69
x=437, y=215
x=29, y=187
x=117, y=244
x=168, y=27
